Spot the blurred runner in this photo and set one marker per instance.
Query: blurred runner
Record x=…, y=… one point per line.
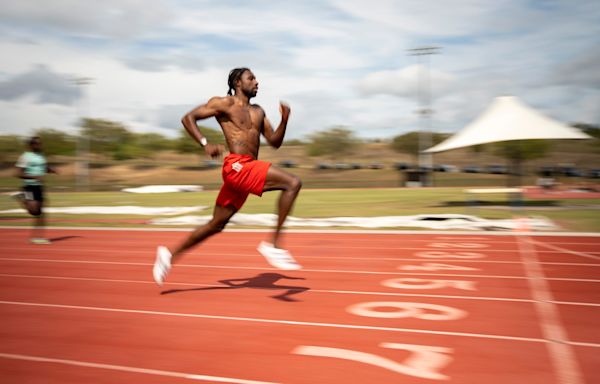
x=242, y=124
x=32, y=168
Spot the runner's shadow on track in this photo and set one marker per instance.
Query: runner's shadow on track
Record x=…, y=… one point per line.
x=62, y=238
x=261, y=281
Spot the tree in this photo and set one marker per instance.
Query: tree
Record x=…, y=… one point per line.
x=334, y=142
x=56, y=142
x=105, y=137
x=294, y=142
x=519, y=151
x=10, y=147
x=153, y=142
x=592, y=130
x=409, y=142
x=478, y=149
x=144, y=145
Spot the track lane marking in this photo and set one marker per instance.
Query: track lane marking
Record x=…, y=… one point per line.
x=122, y=368
x=272, y=321
x=310, y=231
x=562, y=355
x=576, y=253
x=174, y=284
x=302, y=270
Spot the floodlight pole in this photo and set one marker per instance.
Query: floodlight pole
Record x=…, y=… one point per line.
x=425, y=110
x=82, y=173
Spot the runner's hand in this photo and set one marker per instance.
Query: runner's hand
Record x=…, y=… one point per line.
x=214, y=150
x=284, y=109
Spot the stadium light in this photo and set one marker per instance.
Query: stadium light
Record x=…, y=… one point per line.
x=425, y=109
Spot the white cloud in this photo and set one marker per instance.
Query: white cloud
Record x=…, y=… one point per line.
x=107, y=18
x=406, y=82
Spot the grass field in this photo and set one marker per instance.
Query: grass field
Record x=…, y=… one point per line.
x=570, y=215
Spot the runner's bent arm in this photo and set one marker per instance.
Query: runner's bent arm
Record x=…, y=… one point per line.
x=214, y=106
x=275, y=139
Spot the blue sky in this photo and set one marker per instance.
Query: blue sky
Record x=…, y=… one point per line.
x=336, y=62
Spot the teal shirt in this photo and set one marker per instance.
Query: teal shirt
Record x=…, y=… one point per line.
x=34, y=164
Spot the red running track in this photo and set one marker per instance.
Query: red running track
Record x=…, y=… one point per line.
x=366, y=308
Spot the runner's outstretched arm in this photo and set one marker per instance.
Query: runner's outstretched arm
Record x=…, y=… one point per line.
x=275, y=138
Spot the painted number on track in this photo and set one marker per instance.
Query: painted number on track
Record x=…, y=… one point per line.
x=421, y=311
x=413, y=283
x=424, y=362
x=458, y=245
x=449, y=255
x=436, y=267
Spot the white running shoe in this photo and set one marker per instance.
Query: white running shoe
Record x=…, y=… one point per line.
x=162, y=265
x=40, y=241
x=279, y=258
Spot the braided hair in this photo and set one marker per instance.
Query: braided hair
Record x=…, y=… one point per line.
x=234, y=76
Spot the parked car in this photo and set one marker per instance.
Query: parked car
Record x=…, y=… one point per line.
x=323, y=166
x=288, y=164
x=570, y=171
x=471, y=169
x=444, y=168
x=402, y=166
x=497, y=169
x=594, y=173
x=547, y=171
x=210, y=164
x=342, y=166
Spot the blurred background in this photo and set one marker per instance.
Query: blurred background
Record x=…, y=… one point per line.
x=105, y=84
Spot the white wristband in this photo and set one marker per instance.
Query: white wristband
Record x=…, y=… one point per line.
x=203, y=141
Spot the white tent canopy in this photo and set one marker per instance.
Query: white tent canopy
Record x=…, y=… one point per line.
x=507, y=118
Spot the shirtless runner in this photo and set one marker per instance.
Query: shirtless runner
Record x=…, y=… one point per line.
x=242, y=123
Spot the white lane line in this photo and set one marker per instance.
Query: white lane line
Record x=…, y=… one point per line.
x=571, y=264
x=255, y=268
x=366, y=258
x=274, y=321
x=580, y=344
x=173, y=285
x=561, y=353
x=145, y=250
x=582, y=254
x=112, y=367
x=303, y=270
x=309, y=231
x=176, y=283
x=570, y=279
x=575, y=303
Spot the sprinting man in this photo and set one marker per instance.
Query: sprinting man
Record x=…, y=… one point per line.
x=32, y=167
x=242, y=124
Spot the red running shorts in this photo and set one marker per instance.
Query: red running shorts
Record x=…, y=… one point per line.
x=242, y=175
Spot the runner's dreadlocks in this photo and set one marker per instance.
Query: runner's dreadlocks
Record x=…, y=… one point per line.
x=234, y=76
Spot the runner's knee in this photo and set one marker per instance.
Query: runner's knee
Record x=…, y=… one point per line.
x=295, y=184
